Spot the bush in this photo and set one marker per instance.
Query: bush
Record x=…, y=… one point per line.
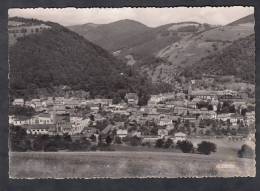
x=18, y=139
x=50, y=147
x=147, y=144
x=246, y=152
x=108, y=140
x=134, y=141
x=118, y=140
x=21, y=110
x=168, y=143
x=185, y=146
x=206, y=147
x=159, y=143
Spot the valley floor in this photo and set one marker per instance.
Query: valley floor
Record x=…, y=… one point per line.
x=125, y=164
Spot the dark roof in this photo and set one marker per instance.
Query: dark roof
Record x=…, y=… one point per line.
x=40, y=126
x=22, y=118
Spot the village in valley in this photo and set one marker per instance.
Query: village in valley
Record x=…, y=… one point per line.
x=188, y=115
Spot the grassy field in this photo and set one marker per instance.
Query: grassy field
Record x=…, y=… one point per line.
x=125, y=164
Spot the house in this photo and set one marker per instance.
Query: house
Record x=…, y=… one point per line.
x=78, y=124
x=64, y=128
x=102, y=102
x=121, y=133
x=164, y=110
x=45, y=118
x=180, y=96
x=214, y=102
x=36, y=102
x=205, y=114
x=180, y=110
x=250, y=118
x=23, y=120
x=95, y=109
x=165, y=121
x=59, y=100
x=223, y=116
x=179, y=137
x=71, y=103
x=190, y=118
x=11, y=119
x=204, y=94
x=62, y=122
x=192, y=105
x=162, y=132
x=150, y=139
x=236, y=118
x=49, y=101
x=19, y=102
x=59, y=108
x=175, y=118
x=154, y=99
x=132, y=98
x=89, y=131
x=43, y=129
x=170, y=127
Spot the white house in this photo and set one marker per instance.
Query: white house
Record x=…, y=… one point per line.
x=235, y=118
x=150, y=139
x=224, y=116
x=250, y=118
x=121, y=133
x=19, y=102
x=180, y=137
x=23, y=120
x=36, y=102
x=78, y=124
x=165, y=121
x=39, y=129
x=132, y=98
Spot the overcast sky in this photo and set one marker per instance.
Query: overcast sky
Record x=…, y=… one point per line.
x=149, y=16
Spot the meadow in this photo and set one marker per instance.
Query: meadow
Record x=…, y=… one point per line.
x=118, y=164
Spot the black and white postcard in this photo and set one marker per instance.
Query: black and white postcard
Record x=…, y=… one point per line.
x=131, y=92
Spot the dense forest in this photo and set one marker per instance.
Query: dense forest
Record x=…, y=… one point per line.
x=238, y=59
x=59, y=56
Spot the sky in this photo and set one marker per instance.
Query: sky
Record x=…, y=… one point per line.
x=149, y=16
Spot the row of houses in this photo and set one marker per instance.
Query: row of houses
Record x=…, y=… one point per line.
x=162, y=133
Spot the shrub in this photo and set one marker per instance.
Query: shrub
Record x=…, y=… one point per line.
x=246, y=152
x=159, y=143
x=185, y=146
x=108, y=140
x=206, y=147
x=118, y=140
x=168, y=143
x=134, y=141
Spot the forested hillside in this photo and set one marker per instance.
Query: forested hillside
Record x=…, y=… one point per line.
x=112, y=36
x=61, y=57
x=238, y=59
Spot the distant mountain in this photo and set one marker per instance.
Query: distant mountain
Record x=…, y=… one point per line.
x=244, y=20
x=164, y=52
x=58, y=56
x=110, y=36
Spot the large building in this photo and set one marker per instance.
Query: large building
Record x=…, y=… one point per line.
x=19, y=29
